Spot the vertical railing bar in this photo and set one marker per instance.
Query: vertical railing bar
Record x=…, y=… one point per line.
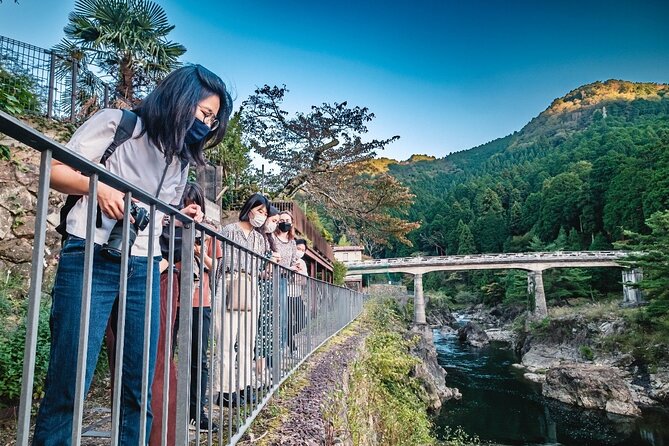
x=148, y=316
x=239, y=335
x=246, y=386
x=119, y=337
x=213, y=288
x=198, y=344
x=52, y=79
x=82, y=352
x=231, y=342
x=34, y=300
x=276, y=327
x=185, y=333
x=167, y=351
x=254, y=321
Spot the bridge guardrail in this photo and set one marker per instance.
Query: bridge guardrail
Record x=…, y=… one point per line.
x=490, y=258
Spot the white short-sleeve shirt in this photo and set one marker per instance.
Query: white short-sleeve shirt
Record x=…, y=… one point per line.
x=137, y=161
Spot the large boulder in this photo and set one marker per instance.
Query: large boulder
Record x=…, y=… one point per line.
x=473, y=334
x=591, y=387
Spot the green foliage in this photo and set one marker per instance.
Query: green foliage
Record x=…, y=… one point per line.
x=385, y=400
x=586, y=352
x=343, y=241
x=339, y=272
x=315, y=219
x=458, y=437
x=13, y=309
x=651, y=253
x=238, y=179
x=17, y=92
x=645, y=338
x=571, y=179
x=126, y=39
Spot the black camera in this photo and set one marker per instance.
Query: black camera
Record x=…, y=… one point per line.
x=112, y=249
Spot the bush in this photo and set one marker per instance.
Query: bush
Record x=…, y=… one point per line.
x=13, y=310
x=339, y=272
x=17, y=93
x=586, y=352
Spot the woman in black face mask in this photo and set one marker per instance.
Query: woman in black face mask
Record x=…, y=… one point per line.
x=284, y=238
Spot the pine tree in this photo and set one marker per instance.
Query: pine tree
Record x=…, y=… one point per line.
x=466, y=243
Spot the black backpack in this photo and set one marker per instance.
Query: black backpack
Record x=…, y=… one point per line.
x=123, y=133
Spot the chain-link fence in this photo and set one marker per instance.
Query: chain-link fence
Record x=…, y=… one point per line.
x=39, y=81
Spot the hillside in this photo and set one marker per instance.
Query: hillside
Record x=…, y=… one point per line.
x=595, y=162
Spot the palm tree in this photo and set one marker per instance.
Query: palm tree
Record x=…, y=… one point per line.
x=127, y=39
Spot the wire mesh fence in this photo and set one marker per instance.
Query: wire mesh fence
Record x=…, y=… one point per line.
x=38, y=81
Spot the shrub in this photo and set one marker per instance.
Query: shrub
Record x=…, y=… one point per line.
x=13, y=310
x=586, y=352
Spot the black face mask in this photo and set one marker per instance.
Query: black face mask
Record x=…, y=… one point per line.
x=197, y=132
x=284, y=227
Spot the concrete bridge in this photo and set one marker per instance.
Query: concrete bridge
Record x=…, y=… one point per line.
x=532, y=262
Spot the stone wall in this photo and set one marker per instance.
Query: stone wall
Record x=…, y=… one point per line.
x=19, y=182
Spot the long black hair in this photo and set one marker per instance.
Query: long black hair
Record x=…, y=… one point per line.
x=193, y=193
x=169, y=111
x=254, y=200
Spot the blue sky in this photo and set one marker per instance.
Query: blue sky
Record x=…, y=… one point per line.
x=444, y=75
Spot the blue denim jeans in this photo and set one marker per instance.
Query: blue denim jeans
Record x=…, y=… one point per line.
x=54, y=419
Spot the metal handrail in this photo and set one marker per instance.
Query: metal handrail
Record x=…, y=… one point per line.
x=327, y=309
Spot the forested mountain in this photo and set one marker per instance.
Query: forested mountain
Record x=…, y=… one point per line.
x=594, y=163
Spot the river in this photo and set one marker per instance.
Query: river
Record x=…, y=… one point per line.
x=501, y=407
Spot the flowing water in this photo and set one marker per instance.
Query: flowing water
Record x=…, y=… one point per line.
x=501, y=407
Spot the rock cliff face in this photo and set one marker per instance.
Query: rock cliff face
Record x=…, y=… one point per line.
x=429, y=371
x=591, y=387
x=19, y=182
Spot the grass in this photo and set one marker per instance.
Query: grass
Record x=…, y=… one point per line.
x=385, y=404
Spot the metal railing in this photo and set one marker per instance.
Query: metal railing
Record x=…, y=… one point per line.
x=265, y=320
x=39, y=81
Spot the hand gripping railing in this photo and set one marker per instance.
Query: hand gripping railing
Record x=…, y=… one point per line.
x=253, y=323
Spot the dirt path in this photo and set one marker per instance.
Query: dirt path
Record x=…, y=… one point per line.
x=296, y=414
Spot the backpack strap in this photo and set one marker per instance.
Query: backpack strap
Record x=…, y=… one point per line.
x=124, y=131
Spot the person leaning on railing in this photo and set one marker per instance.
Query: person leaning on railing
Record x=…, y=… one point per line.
x=284, y=237
x=242, y=270
x=189, y=109
x=296, y=293
x=265, y=335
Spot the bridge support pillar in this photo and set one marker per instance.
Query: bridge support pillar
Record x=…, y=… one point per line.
x=418, y=299
x=632, y=294
x=535, y=286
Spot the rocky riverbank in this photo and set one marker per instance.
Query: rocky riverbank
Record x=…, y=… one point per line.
x=566, y=354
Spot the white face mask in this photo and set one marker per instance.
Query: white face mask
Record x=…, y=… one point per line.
x=257, y=220
x=270, y=227
x=300, y=254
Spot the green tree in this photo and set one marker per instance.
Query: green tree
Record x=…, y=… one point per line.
x=466, y=243
x=238, y=179
x=127, y=39
x=339, y=272
x=322, y=155
x=651, y=253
